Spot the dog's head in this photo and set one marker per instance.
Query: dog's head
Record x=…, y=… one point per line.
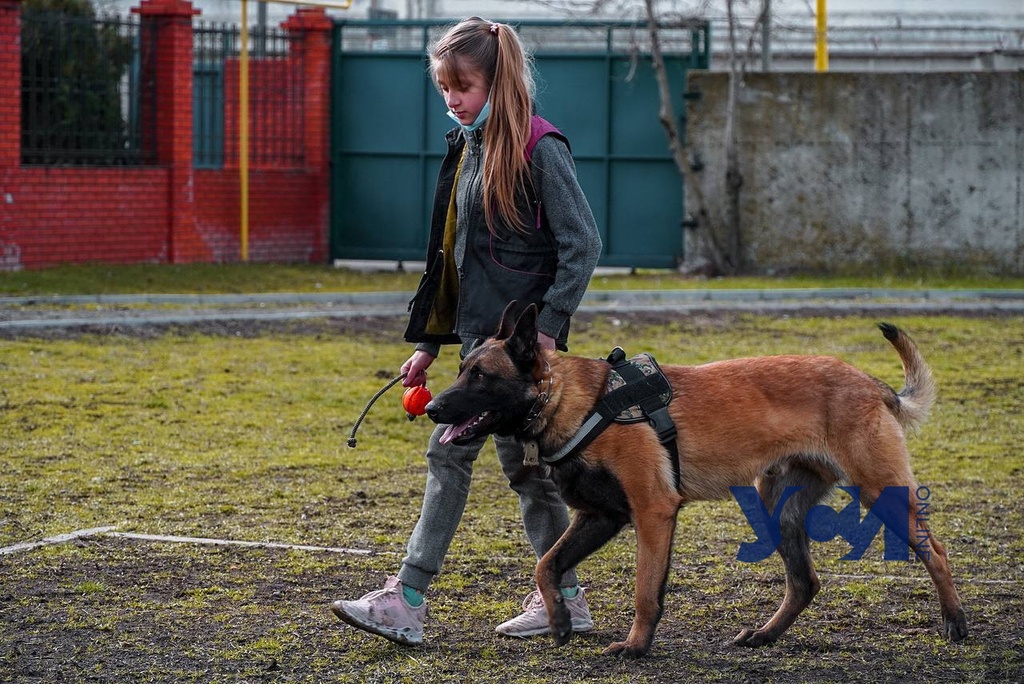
x=496, y=386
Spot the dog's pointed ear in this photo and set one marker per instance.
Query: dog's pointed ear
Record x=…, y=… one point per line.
x=508, y=321
x=522, y=343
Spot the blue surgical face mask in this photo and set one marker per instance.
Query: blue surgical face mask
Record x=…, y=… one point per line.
x=485, y=112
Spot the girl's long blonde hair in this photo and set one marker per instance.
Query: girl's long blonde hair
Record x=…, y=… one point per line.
x=495, y=51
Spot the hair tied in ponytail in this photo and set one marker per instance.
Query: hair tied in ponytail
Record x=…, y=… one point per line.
x=494, y=28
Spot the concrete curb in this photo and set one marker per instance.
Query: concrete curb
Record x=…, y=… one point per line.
x=593, y=296
x=30, y=313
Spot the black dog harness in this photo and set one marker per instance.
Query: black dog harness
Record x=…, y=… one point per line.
x=637, y=390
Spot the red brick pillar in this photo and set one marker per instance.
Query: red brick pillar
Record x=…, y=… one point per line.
x=10, y=86
x=311, y=28
x=311, y=31
x=166, y=39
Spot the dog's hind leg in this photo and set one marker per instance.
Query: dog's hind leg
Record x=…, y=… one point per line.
x=801, y=580
x=586, y=534
x=930, y=551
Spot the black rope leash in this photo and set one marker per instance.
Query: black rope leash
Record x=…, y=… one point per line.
x=366, y=409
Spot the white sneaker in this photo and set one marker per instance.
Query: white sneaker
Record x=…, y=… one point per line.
x=534, y=618
x=386, y=613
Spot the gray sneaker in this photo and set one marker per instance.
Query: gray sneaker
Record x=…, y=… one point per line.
x=534, y=618
x=386, y=613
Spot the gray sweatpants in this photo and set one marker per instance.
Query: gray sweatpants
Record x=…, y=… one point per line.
x=449, y=470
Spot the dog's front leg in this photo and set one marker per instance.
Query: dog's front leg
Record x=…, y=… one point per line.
x=587, y=533
x=655, y=528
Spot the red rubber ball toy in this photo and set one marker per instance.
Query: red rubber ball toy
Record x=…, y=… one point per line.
x=415, y=400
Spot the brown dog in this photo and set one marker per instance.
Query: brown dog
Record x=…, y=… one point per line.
x=779, y=421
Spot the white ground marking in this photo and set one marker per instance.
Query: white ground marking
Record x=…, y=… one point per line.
x=109, y=532
x=174, y=539
x=236, y=542
x=59, y=539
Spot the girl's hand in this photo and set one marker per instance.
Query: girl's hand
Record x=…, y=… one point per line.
x=545, y=341
x=416, y=369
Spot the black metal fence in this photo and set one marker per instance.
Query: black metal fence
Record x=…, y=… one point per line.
x=82, y=97
x=276, y=97
x=81, y=100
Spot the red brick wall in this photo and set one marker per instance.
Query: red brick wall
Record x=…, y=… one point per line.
x=60, y=215
x=171, y=213
x=288, y=215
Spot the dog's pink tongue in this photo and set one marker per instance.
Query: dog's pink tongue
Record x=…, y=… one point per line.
x=453, y=431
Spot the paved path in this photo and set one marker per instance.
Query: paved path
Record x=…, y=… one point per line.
x=69, y=311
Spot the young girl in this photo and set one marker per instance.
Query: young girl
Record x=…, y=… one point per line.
x=509, y=222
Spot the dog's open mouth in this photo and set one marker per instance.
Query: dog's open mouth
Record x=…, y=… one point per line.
x=467, y=429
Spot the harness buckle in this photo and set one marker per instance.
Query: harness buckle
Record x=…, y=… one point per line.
x=616, y=357
x=663, y=424
x=531, y=453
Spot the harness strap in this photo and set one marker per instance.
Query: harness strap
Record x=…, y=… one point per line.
x=639, y=389
x=591, y=428
x=655, y=410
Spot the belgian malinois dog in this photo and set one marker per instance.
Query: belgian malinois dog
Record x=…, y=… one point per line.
x=777, y=421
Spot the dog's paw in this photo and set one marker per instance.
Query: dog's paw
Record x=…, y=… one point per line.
x=955, y=627
x=624, y=649
x=561, y=624
x=753, y=638
x=561, y=636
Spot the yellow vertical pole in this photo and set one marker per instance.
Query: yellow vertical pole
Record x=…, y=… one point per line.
x=243, y=131
x=820, y=38
x=243, y=114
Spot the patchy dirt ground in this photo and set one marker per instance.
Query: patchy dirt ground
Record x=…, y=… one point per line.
x=109, y=610
x=106, y=609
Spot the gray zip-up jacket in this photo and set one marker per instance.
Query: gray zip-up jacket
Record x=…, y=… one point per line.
x=551, y=265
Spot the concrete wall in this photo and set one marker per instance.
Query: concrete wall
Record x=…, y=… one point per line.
x=851, y=169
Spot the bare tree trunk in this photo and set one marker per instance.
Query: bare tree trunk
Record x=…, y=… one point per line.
x=705, y=229
x=733, y=174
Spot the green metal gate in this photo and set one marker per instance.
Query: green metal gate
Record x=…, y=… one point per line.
x=595, y=83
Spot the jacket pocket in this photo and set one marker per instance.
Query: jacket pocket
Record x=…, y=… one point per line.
x=429, y=280
x=535, y=257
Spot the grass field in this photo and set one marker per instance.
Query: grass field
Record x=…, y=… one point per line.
x=239, y=434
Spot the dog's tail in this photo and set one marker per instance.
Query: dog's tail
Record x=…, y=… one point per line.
x=911, y=404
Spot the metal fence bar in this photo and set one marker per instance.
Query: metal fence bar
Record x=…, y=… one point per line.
x=80, y=90
x=276, y=97
x=277, y=102
x=539, y=36
x=212, y=46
